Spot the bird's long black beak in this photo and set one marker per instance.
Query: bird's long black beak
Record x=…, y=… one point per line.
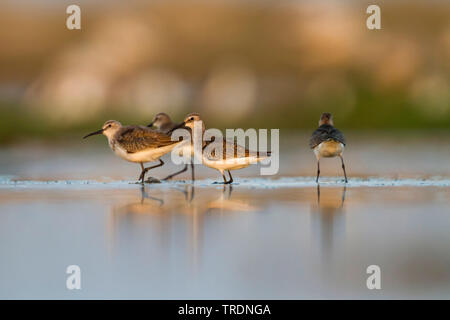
x=150, y=125
x=93, y=133
x=180, y=125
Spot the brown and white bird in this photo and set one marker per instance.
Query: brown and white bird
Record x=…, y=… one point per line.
x=163, y=123
x=222, y=155
x=327, y=142
x=136, y=143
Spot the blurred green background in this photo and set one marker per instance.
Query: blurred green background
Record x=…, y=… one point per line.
x=272, y=64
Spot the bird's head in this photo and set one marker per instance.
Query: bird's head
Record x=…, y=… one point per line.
x=108, y=129
x=190, y=121
x=326, y=118
x=161, y=120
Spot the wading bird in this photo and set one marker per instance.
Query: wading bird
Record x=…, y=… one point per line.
x=136, y=144
x=327, y=142
x=163, y=123
x=221, y=154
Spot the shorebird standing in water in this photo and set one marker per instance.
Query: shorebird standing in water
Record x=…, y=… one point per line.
x=136, y=144
x=163, y=123
x=327, y=142
x=231, y=156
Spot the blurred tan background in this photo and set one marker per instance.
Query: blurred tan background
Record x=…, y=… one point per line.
x=272, y=64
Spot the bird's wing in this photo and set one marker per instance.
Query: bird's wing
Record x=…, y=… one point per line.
x=134, y=139
x=339, y=136
x=324, y=133
x=225, y=149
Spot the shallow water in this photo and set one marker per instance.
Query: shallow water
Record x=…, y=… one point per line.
x=264, y=237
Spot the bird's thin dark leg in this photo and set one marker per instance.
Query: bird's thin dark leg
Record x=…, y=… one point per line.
x=176, y=173
x=343, y=168
x=224, y=180
x=318, y=171
x=161, y=163
x=231, y=178
x=141, y=177
x=192, y=171
x=144, y=171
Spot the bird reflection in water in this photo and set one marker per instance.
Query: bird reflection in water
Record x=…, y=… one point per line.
x=224, y=203
x=328, y=225
x=138, y=219
x=154, y=221
x=203, y=209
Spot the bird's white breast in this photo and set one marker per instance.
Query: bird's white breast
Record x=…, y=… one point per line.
x=231, y=162
x=146, y=155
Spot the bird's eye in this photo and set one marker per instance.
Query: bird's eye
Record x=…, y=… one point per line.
x=191, y=119
x=109, y=126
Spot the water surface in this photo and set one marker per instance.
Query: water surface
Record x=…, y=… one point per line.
x=262, y=238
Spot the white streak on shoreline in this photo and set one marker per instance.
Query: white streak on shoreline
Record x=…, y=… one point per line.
x=251, y=183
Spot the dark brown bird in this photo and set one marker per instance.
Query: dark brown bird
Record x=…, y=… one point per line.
x=328, y=142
